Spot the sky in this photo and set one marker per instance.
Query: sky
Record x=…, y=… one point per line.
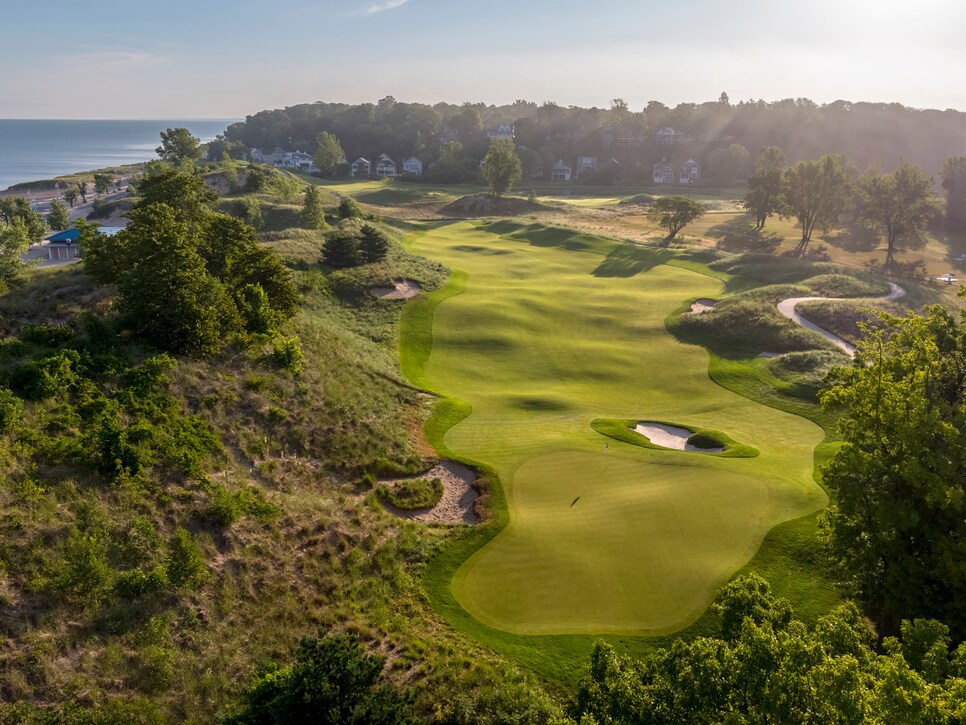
x=230, y=58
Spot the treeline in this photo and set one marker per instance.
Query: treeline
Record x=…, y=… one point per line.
x=719, y=134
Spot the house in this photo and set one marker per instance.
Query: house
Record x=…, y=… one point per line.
x=299, y=160
x=586, y=163
x=360, y=167
x=561, y=172
x=663, y=172
x=504, y=130
x=413, y=166
x=274, y=157
x=256, y=156
x=690, y=172
x=665, y=136
x=64, y=245
x=385, y=166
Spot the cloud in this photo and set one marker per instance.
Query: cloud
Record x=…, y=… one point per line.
x=377, y=7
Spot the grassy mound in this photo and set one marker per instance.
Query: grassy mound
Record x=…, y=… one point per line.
x=420, y=493
x=484, y=205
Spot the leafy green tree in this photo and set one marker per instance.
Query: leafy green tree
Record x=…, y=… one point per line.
x=313, y=215
x=82, y=189
x=167, y=294
x=17, y=207
x=229, y=168
x=766, y=187
x=58, y=217
x=373, y=245
x=897, y=205
x=14, y=241
x=256, y=265
x=348, y=209
x=817, y=192
x=954, y=184
x=341, y=249
x=896, y=525
x=179, y=146
x=105, y=258
x=102, y=182
x=675, y=212
x=70, y=196
x=328, y=154
x=501, y=166
x=333, y=680
x=186, y=194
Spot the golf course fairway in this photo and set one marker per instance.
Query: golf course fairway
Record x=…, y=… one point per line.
x=550, y=331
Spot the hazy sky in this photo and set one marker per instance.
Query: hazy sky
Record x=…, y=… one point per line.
x=229, y=58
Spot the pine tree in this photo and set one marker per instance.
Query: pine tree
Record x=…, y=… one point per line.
x=373, y=244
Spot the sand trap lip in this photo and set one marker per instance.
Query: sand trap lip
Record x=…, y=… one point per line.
x=399, y=291
x=703, y=304
x=671, y=436
x=787, y=308
x=459, y=495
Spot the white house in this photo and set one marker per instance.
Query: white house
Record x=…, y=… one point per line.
x=385, y=166
x=665, y=136
x=413, y=166
x=663, y=173
x=360, y=167
x=586, y=163
x=561, y=171
x=504, y=130
x=690, y=172
x=299, y=160
x=256, y=156
x=274, y=157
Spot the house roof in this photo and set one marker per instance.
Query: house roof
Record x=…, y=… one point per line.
x=561, y=165
x=360, y=160
x=69, y=236
x=412, y=158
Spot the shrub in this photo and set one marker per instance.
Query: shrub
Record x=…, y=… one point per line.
x=44, y=378
x=47, y=335
x=287, y=353
x=83, y=570
x=255, y=310
x=411, y=495
x=136, y=583
x=185, y=566
x=341, y=249
x=11, y=410
x=348, y=209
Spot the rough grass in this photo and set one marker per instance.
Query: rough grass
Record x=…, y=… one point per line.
x=420, y=493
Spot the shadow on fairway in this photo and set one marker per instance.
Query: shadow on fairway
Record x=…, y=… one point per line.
x=626, y=261
x=739, y=234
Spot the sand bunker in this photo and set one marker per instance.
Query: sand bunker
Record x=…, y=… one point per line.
x=671, y=436
x=459, y=496
x=703, y=304
x=400, y=291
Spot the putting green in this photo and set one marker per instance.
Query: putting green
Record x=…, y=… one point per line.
x=551, y=332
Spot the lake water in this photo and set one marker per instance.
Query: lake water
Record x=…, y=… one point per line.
x=43, y=149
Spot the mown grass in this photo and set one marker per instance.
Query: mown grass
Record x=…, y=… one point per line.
x=623, y=430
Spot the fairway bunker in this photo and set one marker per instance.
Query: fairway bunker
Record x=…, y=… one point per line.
x=670, y=436
x=703, y=304
x=399, y=291
x=458, y=504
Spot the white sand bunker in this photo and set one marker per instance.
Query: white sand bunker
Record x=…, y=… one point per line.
x=671, y=436
x=399, y=291
x=459, y=496
x=703, y=304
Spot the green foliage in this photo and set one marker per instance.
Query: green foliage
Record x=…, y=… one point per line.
x=84, y=571
x=895, y=527
x=45, y=377
x=104, y=257
x=185, y=565
x=954, y=184
x=102, y=182
x=185, y=194
x=178, y=146
x=817, y=193
x=58, y=218
x=256, y=312
x=501, y=166
x=17, y=208
x=312, y=215
x=228, y=507
x=373, y=244
x=675, y=212
x=333, y=680
x=14, y=241
x=286, y=188
x=348, y=209
x=46, y=335
x=341, y=249
x=288, y=355
x=328, y=154
x=766, y=187
x=11, y=410
x=421, y=493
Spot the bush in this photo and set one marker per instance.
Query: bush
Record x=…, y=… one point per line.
x=136, y=583
x=45, y=378
x=412, y=495
x=185, y=566
x=47, y=335
x=373, y=245
x=287, y=354
x=348, y=209
x=341, y=249
x=83, y=570
x=11, y=410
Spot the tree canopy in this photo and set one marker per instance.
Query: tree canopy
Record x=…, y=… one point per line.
x=817, y=192
x=676, y=212
x=328, y=153
x=766, y=187
x=178, y=146
x=954, y=184
x=501, y=166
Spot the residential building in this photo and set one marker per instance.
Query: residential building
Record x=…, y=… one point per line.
x=665, y=136
x=663, y=172
x=413, y=166
x=360, y=167
x=385, y=166
x=586, y=163
x=561, y=171
x=504, y=130
x=690, y=172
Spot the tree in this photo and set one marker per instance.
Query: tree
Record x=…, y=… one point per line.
x=501, y=166
x=954, y=184
x=82, y=189
x=58, y=217
x=102, y=182
x=817, y=192
x=896, y=525
x=766, y=187
x=341, y=249
x=70, y=196
x=18, y=208
x=185, y=194
x=312, y=216
x=14, y=241
x=333, y=680
x=675, y=212
x=373, y=244
x=179, y=146
x=328, y=154
x=897, y=205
